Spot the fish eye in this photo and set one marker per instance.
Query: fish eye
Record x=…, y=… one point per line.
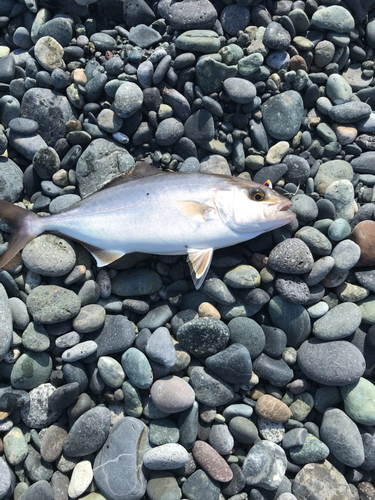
x=257, y=194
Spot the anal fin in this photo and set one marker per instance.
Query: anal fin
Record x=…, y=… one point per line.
x=199, y=263
x=103, y=257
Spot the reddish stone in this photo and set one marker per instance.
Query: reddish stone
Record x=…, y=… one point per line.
x=364, y=235
x=108, y=54
x=296, y=63
x=211, y=462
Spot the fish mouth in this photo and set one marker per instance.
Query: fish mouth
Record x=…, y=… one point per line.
x=282, y=211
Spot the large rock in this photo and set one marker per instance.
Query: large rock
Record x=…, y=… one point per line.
x=50, y=109
x=102, y=161
x=118, y=468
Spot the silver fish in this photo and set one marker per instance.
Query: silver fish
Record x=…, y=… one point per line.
x=160, y=213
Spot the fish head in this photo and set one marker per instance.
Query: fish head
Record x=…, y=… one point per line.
x=249, y=207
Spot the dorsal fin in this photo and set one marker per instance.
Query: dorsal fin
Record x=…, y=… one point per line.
x=141, y=169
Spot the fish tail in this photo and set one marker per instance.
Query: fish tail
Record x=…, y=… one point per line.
x=26, y=226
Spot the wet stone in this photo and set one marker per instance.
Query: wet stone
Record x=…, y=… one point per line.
x=339, y=322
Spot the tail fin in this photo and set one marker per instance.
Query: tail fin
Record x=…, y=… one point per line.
x=26, y=226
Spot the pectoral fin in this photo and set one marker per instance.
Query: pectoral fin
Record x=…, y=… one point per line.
x=199, y=263
x=103, y=257
x=196, y=209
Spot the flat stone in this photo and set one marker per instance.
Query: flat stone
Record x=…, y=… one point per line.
x=271, y=408
x=333, y=18
x=123, y=450
x=338, y=323
x=196, y=483
x=102, y=161
x=88, y=433
x=337, y=363
x=203, y=337
x=30, y=370
x=49, y=255
x=342, y=437
x=359, y=401
x=183, y=17
x=317, y=480
x=50, y=110
x=205, y=41
x=232, y=364
x=293, y=319
x=49, y=53
x=211, y=462
x=137, y=368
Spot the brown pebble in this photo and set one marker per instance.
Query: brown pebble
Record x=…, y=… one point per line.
x=104, y=282
x=108, y=54
x=52, y=442
x=273, y=409
x=4, y=415
x=364, y=235
x=207, y=310
x=79, y=77
x=296, y=63
x=72, y=125
x=211, y=462
x=207, y=413
x=257, y=393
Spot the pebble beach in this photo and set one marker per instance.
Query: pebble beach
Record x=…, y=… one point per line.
x=126, y=383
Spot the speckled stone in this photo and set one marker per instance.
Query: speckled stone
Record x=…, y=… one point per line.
x=211, y=462
x=265, y=465
x=51, y=304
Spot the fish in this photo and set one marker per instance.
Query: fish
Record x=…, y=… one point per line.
x=156, y=212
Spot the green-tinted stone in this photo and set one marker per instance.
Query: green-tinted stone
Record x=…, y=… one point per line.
x=367, y=307
x=15, y=446
x=231, y=54
x=136, y=282
x=250, y=64
x=313, y=450
x=35, y=337
x=162, y=485
x=133, y=401
x=242, y=277
x=30, y=370
x=51, y=304
x=162, y=431
x=211, y=74
x=205, y=41
x=301, y=406
x=359, y=400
